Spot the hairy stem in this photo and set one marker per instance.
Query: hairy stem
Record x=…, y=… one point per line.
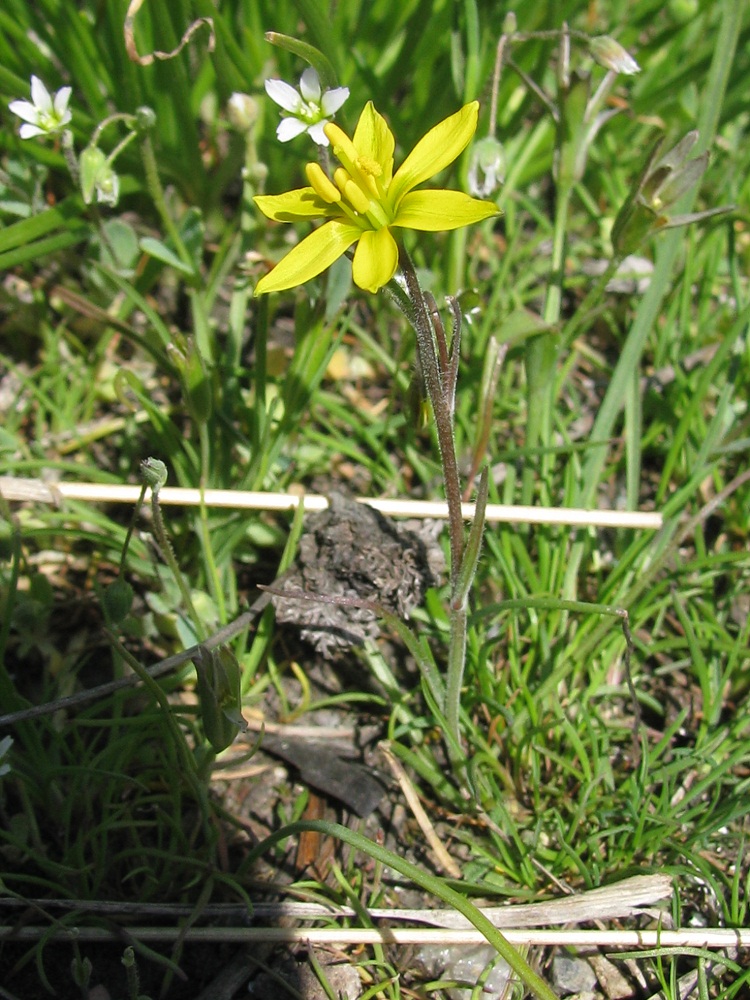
x=440, y=398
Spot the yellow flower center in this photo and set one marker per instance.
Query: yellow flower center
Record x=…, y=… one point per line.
x=356, y=179
x=369, y=167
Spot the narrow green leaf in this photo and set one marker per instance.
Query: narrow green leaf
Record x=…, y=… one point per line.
x=159, y=251
x=319, y=62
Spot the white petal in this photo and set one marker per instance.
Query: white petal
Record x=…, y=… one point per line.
x=317, y=134
x=61, y=104
x=333, y=99
x=25, y=110
x=109, y=192
x=283, y=95
x=40, y=95
x=289, y=128
x=309, y=85
x=29, y=131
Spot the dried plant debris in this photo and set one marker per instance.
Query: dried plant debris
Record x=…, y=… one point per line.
x=352, y=553
x=320, y=766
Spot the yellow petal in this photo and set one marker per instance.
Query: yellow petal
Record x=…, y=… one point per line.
x=303, y=203
x=375, y=259
x=310, y=257
x=442, y=144
x=436, y=211
x=374, y=140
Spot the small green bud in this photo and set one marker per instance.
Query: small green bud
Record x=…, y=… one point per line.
x=117, y=601
x=81, y=970
x=91, y=162
x=145, y=119
x=683, y=11
x=218, y=675
x=99, y=182
x=510, y=23
x=153, y=473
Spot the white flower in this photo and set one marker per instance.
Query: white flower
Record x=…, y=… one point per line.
x=309, y=110
x=43, y=114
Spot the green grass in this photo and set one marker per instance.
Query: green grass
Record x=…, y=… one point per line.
x=643, y=405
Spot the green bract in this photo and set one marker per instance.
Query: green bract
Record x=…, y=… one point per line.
x=366, y=199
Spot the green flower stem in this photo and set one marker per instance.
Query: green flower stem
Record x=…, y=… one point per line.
x=157, y=195
x=200, y=319
x=217, y=591
x=70, y=156
x=121, y=145
x=459, y=616
x=168, y=552
x=129, y=533
x=531, y=980
x=439, y=369
x=260, y=372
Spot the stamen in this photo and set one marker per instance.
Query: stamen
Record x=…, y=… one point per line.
x=359, y=187
x=321, y=185
x=341, y=177
x=340, y=141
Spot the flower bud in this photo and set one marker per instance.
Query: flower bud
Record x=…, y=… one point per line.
x=99, y=182
x=486, y=167
x=145, y=118
x=91, y=162
x=611, y=55
x=242, y=111
x=153, y=473
x=683, y=11
x=218, y=684
x=117, y=600
x=663, y=181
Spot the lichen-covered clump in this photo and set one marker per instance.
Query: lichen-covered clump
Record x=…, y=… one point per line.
x=352, y=552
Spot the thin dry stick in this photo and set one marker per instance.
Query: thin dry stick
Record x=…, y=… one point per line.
x=445, y=861
x=14, y=488
x=631, y=897
x=685, y=937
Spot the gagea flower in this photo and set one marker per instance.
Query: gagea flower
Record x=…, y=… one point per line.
x=366, y=200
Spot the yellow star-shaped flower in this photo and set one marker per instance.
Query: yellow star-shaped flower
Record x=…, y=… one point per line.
x=365, y=200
